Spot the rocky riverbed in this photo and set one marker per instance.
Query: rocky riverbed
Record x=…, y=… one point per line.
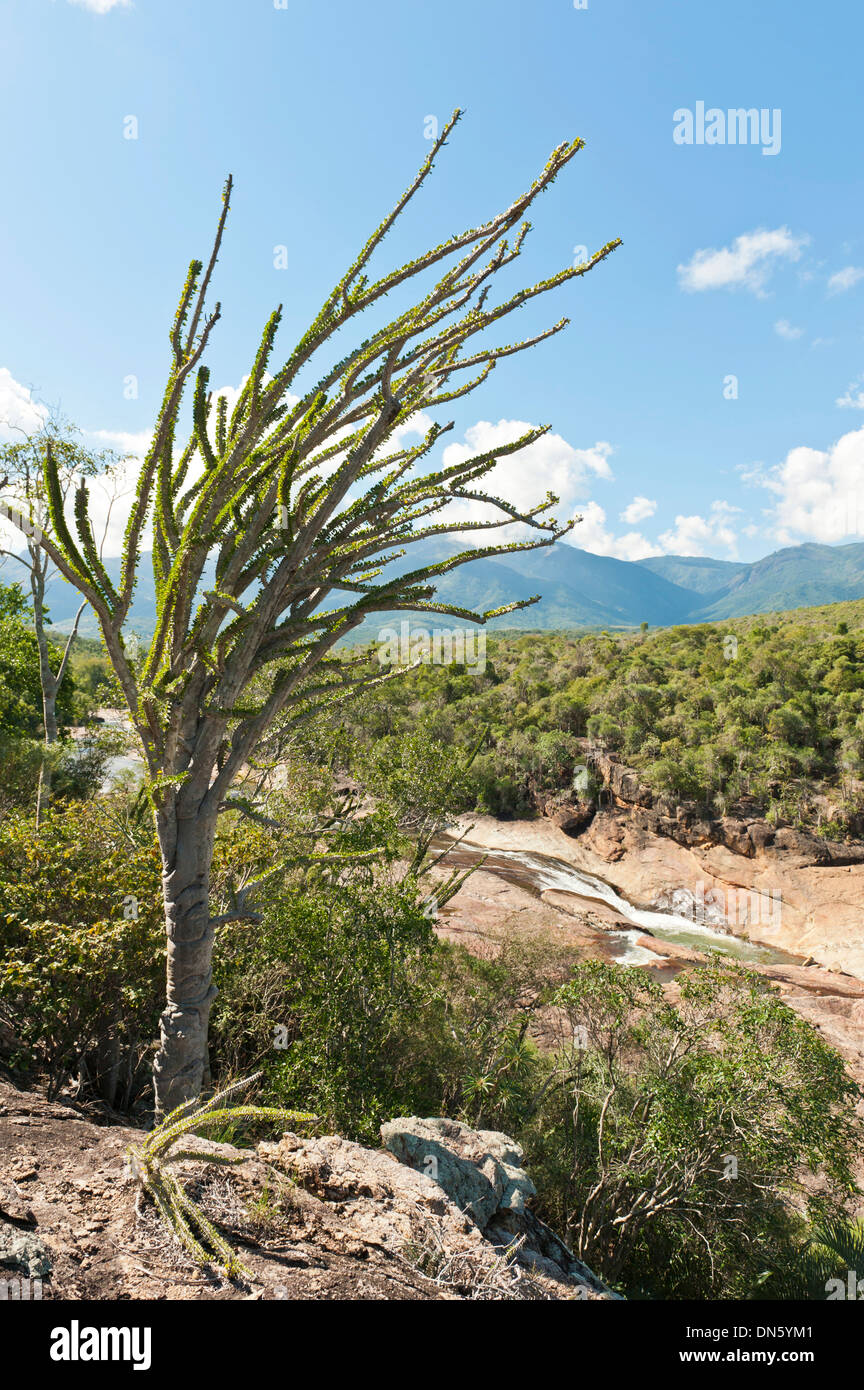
x=506, y=897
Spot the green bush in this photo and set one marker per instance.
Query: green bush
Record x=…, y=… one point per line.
x=81, y=947
x=673, y=1138
x=344, y=996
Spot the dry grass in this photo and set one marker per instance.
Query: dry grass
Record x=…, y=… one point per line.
x=479, y=1276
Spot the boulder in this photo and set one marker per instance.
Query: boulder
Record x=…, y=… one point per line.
x=480, y=1170
x=21, y=1251
x=570, y=813
x=480, y=1173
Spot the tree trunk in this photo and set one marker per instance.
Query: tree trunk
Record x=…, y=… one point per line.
x=49, y=719
x=49, y=689
x=181, y=1066
x=49, y=680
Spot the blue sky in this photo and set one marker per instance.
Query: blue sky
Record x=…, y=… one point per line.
x=735, y=263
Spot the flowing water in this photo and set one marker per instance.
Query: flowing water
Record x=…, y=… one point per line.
x=542, y=872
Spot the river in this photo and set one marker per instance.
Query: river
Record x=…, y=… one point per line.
x=541, y=872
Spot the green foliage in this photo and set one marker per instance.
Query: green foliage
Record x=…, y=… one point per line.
x=21, y=728
x=20, y=761
x=416, y=777
x=81, y=946
x=77, y=767
x=344, y=995
x=673, y=1136
x=20, y=691
x=322, y=996
x=777, y=718
x=94, y=679
x=825, y=1255
x=13, y=603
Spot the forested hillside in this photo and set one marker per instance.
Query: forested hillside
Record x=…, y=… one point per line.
x=580, y=589
x=771, y=709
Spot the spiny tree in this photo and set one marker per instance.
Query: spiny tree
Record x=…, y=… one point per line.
x=295, y=507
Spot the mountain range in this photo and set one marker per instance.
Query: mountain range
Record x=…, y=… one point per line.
x=582, y=590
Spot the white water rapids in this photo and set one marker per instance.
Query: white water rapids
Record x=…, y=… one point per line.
x=543, y=872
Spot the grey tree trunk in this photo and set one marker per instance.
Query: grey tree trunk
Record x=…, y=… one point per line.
x=49, y=720
x=49, y=685
x=49, y=680
x=181, y=1068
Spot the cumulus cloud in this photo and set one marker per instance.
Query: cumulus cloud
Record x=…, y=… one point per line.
x=703, y=535
x=638, y=510
x=123, y=441
x=819, y=492
x=784, y=329
x=845, y=279
x=550, y=464
x=19, y=413
x=746, y=264
x=593, y=535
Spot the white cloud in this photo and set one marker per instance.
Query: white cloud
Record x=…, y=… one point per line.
x=846, y=279
x=638, y=510
x=700, y=535
x=854, y=398
x=819, y=492
x=553, y=465
x=122, y=441
x=591, y=534
x=102, y=6
x=417, y=424
x=19, y=413
x=550, y=464
x=746, y=264
x=784, y=329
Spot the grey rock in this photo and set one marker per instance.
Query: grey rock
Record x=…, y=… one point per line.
x=20, y=1250
x=480, y=1170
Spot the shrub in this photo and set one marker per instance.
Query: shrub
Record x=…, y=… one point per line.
x=673, y=1136
x=81, y=949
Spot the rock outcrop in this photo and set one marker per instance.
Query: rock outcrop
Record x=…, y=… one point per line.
x=821, y=917
x=744, y=831
x=312, y=1218
x=481, y=1172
